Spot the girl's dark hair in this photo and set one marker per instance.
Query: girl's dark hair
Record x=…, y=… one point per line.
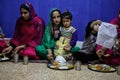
x=89, y=29
x=67, y=15
x=25, y=6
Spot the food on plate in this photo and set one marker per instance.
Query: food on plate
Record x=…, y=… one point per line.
x=70, y=66
x=55, y=63
x=101, y=67
x=60, y=66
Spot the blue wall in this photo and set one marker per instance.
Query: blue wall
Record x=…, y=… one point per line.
x=82, y=10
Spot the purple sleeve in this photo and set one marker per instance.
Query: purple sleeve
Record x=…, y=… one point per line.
x=74, y=39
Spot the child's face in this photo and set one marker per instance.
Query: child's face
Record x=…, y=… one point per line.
x=56, y=18
x=66, y=22
x=95, y=25
x=95, y=28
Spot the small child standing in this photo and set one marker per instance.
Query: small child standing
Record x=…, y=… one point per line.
x=68, y=37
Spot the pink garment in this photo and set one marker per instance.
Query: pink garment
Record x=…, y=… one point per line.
x=2, y=45
x=112, y=59
x=28, y=33
x=115, y=60
x=116, y=21
x=29, y=51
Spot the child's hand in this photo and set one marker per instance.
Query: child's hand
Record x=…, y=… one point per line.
x=56, y=46
x=67, y=48
x=99, y=22
x=18, y=48
x=106, y=55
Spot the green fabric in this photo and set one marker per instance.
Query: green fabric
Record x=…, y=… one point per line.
x=42, y=51
x=48, y=42
x=75, y=49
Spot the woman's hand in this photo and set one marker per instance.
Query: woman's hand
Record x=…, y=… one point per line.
x=49, y=55
x=99, y=53
x=56, y=32
x=117, y=26
x=18, y=48
x=117, y=42
x=7, y=50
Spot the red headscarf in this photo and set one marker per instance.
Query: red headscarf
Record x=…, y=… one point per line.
x=28, y=31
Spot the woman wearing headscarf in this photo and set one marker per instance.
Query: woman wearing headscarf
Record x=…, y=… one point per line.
x=51, y=35
x=28, y=33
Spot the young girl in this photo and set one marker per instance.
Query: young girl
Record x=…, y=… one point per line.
x=87, y=52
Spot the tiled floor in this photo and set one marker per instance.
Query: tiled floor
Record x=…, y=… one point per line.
x=39, y=71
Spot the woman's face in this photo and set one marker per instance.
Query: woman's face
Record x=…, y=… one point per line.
x=56, y=18
x=24, y=14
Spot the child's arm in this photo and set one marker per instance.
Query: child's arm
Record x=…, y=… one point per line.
x=74, y=39
x=67, y=47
